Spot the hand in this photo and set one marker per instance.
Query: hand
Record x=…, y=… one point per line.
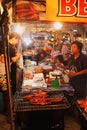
x=72, y=74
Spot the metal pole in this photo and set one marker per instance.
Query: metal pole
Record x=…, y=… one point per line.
x=5, y=30
x=7, y=67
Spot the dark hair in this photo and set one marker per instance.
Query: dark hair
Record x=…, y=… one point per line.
x=79, y=44
x=14, y=34
x=60, y=58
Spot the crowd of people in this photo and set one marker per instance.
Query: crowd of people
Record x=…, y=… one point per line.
x=73, y=59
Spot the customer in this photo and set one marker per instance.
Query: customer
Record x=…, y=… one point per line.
x=59, y=61
x=67, y=60
x=78, y=69
x=66, y=46
x=14, y=57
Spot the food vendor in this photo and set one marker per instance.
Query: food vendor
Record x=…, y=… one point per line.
x=78, y=69
x=15, y=56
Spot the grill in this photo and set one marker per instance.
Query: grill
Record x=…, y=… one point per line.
x=82, y=116
x=34, y=116
x=21, y=104
x=82, y=112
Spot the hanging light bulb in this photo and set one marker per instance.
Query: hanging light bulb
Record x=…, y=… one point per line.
x=57, y=25
x=19, y=29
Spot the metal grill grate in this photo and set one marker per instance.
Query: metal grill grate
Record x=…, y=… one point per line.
x=21, y=104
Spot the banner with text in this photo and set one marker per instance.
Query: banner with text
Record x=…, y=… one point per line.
x=66, y=10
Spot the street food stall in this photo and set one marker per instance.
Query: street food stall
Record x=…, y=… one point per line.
x=42, y=97
x=38, y=100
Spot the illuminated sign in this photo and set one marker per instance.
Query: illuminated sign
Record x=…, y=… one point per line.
x=66, y=10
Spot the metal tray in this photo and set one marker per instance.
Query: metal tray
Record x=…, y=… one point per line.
x=83, y=113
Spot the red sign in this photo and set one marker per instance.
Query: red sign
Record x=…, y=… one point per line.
x=72, y=8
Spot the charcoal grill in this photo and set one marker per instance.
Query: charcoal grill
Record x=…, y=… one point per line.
x=32, y=116
x=21, y=104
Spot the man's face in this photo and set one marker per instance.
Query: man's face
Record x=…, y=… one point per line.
x=74, y=49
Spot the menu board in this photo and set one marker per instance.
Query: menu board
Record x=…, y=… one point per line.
x=29, y=10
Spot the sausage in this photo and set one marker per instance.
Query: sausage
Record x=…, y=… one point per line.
x=23, y=14
x=41, y=98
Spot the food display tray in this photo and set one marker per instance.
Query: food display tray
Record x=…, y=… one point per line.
x=21, y=104
x=83, y=113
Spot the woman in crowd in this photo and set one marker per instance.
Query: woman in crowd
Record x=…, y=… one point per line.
x=78, y=69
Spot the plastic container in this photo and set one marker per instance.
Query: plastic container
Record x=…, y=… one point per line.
x=55, y=83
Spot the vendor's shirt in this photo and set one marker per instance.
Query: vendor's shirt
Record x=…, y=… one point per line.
x=79, y=82
x=12, y=50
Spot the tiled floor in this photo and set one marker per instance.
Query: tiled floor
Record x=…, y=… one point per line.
x=70, y=122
